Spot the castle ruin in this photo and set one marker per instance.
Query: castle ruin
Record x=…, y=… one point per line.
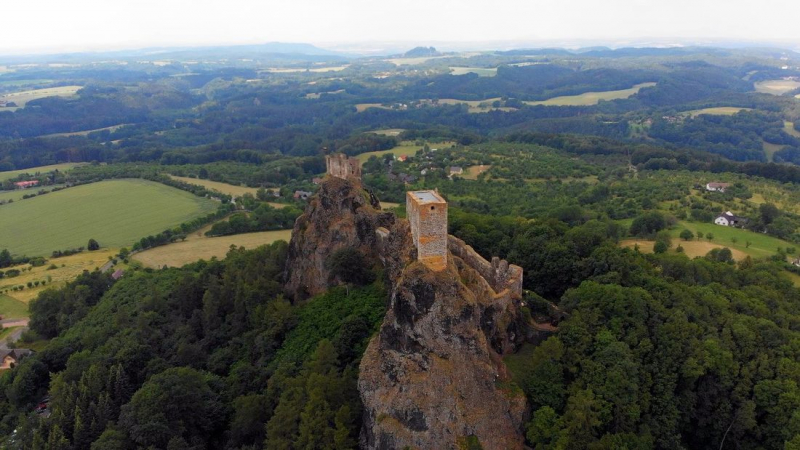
x=427, y=214
x=342, y=166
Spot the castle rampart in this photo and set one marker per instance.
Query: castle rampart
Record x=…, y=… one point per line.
x=500, y=275
x=341, y=166
x=427, y=215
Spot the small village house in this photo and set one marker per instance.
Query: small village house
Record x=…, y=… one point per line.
x=728, y=219
x=302, y=195
x=26, y=184
x=717, y=187
x=456, y=170
x=11, y=357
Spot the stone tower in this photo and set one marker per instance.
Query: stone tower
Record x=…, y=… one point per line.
x=427, y=214
x=341, y=166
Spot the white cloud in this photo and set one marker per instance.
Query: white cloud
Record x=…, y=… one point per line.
x=101, y=24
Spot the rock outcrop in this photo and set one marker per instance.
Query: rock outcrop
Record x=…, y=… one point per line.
x=342, y=214
x=433, y=377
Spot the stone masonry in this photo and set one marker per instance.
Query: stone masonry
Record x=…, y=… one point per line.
x=341, y=166
x=427, y=215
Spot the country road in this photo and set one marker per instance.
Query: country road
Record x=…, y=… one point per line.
x=22, y=325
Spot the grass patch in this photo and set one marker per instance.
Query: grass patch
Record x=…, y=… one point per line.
x=592, y=98
x=5, y=332
x=41, y=169
x=11, y=308
x=692, y=249
x=115, y=213
x=201, y=247
x=776, y=87
x=389, y=132
x=17, y=195
x=472, y=172
x=361, y=107
x=771, y=149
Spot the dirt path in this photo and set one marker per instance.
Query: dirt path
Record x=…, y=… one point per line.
x=22, y=325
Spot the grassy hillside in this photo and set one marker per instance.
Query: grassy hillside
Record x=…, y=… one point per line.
x=11, y=308
x=33, y=170
x=115, y=213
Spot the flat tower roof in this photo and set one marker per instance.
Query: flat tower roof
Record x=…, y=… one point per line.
x=427, y=196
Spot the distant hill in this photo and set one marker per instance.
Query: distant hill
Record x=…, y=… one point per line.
x=420, y=52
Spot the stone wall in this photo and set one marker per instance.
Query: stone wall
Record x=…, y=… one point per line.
x=500, y=275
x=341, y=166
x=427, y=215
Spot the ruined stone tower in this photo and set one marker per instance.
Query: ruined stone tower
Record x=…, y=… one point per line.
x=341, y=166
x=427, y=214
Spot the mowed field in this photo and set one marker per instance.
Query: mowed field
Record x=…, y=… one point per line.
x=592, y=98
x=67, y=269
x=22, y=98
x=408, y=148
x=196, y=248
x=692, y=249
x=225, y=188
x=776, y=87
x=472, y=172
x=17, y=195
x=115, y=213
x=788, y=127
x=480, y=71
x=11, y=308
x=718, y=111
x=41, y=169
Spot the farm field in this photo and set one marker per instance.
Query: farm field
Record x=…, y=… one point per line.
x=591, y=98
x=480, y=71
x=191, y=250
x=476, y=106
x=73, y=266
x=84, y=133
x=22, y=98
x=225, y=188
x=115, y=213
x=316, y=95
x=776, y=87
x=718, y=111
x=303, y=69
x=41, y=169
x=472, y=172
x=11, y=308
x=404, y=148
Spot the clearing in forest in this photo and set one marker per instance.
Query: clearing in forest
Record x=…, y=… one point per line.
x=776, y=87
x=472, y=172
x=592, y=98
x=225, y=188
x=116, y=213
x=111, y=129
x=180, y=253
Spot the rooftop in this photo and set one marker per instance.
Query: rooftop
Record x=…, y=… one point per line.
x=427, y=196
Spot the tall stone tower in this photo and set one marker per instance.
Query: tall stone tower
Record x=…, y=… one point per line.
x=427, y=213
x=341, y=166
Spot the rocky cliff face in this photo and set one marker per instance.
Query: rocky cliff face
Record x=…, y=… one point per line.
x=341, y=215
x=433, y=377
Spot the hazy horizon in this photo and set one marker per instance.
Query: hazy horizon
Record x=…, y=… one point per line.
x=48, y=26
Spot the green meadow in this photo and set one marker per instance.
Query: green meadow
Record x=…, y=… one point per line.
x=760, y=244
x=11, y=308
x=115, y=213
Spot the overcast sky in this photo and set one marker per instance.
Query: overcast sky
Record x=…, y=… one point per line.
x=57, y=25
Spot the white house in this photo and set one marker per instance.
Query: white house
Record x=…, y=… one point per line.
x=728, y=219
